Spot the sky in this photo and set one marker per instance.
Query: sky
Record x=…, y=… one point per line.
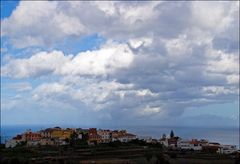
x=120, y=63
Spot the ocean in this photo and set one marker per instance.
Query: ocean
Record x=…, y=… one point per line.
x=222, y=135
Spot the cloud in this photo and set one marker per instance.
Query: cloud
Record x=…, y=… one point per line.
x=33, y=26
x=123, y=21
x=97, y=62
x=37, y=65
x=47, y=90
x=21, y=86
x=216, y=90
x=43, y=26
x=225, y=63
x=233, y=79
x=148, y=111
x=120, y=81
x=160, y=58
x=208, y=14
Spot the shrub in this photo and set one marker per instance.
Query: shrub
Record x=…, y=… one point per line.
x=173, y=155
x=148, y=155
x=14, y=160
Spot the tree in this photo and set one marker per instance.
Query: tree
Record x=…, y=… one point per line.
x=67, y=140
x=173, y=155
x=73, y=138
x=84, y=136
x=172, y=134
x=160, y=158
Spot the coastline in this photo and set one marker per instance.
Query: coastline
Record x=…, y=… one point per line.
x=225, y=135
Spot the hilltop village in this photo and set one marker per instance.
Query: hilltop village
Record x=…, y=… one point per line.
x=77, y=136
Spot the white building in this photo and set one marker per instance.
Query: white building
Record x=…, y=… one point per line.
x=184, y=145
x=164, y=142
x=189, y=145
x=46, y=141
x=80, y=136
x=11, y=143
x=125, y=138
x=227, y=149
x=147, y=139
x=14, y=141
x=31, y=143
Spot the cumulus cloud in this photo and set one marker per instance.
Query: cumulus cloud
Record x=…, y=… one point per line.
x=226, y=64
x=48, y=90
x=233, y=79
x=47, y=22
x=216, y=90
x=97, y=62
x=160, y=57
x=35, y=66
x=43, y=26
x=148, y=111
x=97, y=96
x=208, y=14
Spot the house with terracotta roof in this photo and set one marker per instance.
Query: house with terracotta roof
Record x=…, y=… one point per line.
x=122, y=136
x=211, y=147
x=106, y=135
x=32, y=138
x=93, y=136
x=126, y=137
x=189, y=144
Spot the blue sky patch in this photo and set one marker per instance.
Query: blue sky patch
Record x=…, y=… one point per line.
x=7, y=7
